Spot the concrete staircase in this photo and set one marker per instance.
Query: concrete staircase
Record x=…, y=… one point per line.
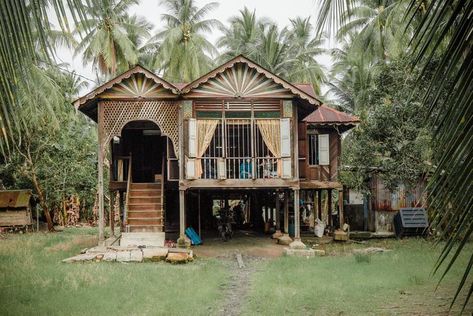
x=145, y=220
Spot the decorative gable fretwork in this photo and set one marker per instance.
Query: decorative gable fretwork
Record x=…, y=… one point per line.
x=137, y=86
x=116, y=114
x=240, y=81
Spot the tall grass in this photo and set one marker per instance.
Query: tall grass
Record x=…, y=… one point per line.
x=349, y=284
x=34, y=281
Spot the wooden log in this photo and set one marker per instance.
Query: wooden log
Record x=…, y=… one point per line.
x=239, y=259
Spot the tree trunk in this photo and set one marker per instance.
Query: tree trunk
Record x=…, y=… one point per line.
x=42, y=201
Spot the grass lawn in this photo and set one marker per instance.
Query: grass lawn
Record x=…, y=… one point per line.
x=34, y=281
x=391, y=283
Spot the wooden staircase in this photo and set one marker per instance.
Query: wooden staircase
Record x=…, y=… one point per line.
x=145, y=207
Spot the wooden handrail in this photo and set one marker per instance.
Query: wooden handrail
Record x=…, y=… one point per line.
x=128, y=187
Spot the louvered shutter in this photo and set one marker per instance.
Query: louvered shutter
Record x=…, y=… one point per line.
x=285, y=126
x=190, y=168
x=192, y=150
x=324, y=159
x=286, y=168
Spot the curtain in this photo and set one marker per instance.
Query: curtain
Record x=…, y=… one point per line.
x=205, y=133
x=271, y=133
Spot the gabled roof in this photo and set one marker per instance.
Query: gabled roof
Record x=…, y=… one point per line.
x=325, y=115
x=241, y=59
x=138, y=69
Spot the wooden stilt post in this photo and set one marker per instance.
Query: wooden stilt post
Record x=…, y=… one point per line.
x=297, y=243
x=319, y=204
x=297, y=216
x=340, y=208
x=182, y=241
x=278, y=233
x=330, y=221
x=286, y=212
x=122, y=210
x=100, y=174
x=198, y=209
x=112, y=212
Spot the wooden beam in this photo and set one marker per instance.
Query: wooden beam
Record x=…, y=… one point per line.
x=239, y=183
x=319, y=204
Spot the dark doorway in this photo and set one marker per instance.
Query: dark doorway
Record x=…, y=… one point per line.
x=147, y=147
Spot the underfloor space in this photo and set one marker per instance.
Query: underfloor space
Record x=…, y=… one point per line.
x=247, y=243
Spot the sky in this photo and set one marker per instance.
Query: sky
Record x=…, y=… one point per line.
x=277, y=10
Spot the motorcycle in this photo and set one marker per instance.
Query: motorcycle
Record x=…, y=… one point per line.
x=224, y=224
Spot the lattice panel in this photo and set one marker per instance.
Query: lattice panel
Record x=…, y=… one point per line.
x=118, y=113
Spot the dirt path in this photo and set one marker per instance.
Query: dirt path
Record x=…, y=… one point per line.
x=236, y=291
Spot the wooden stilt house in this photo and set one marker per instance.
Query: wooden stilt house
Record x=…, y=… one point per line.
x=238, y=133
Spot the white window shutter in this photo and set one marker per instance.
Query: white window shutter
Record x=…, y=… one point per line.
x=286, y=168
x=192, y=137
x=285, y=126
x=324, y=159
x=190, y=169
x=221, y=168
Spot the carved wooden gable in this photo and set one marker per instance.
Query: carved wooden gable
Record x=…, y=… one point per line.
x=239, y=81
x=137, y=86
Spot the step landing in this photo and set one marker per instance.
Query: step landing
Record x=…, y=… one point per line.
x=146, y=239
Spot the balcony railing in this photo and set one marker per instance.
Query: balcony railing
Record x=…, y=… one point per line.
x=241, y=168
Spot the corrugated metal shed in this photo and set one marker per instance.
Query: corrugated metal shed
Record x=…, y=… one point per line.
x=15, y=198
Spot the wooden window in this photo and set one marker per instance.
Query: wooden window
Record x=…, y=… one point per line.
x=313, y=149
x=318, y=149
x=323, y=147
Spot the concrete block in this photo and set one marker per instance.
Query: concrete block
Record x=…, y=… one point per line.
x=297, y=244
x=299, y=252
x=123, y=256
x=136, y=256
x=177, y=257
x=154, y=254
x=110, y=256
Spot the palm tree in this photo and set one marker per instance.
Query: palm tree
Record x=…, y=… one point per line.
x=440, y=28
x=20, y=49
x=109, y=36
x=185, y=54
x=351, y=76
x=272, y=49
x=371, y=20
x=139, y=32
x=303, y=51
x=242, y=35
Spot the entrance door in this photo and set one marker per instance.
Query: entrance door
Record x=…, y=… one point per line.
x=147, y=148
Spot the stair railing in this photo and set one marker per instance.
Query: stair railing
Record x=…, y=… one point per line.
x=128, y=188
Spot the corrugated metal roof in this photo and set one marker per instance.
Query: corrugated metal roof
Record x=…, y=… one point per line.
x=327, y=115
x=14, y=198
x=307, y=88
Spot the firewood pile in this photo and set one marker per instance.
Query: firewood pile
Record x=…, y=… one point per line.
x=69, y=213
